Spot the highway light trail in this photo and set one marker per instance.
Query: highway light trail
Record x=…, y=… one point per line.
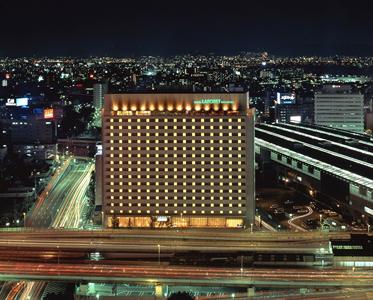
x=180, y=274
x=70, y=214
x=61, y=205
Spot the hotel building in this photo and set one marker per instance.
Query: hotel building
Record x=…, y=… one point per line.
x=178, y=160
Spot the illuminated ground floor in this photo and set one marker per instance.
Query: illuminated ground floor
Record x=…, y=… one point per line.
x=168, y=222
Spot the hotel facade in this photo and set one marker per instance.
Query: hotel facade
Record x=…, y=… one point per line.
x=178, y=160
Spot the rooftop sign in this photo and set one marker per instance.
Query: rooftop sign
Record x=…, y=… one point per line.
x=213, y=101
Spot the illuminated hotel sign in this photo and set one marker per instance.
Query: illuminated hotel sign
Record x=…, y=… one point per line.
x=213, y=101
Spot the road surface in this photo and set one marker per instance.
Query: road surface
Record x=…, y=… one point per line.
x=296, y=218
x=269, y=277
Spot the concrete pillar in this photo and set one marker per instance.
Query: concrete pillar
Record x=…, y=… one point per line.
x=251, y=291
x=161, y=291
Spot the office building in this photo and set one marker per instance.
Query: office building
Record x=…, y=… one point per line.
x=99, y=91
x=339, y=107
x=292, y=109
x=180, y=160
x=32, y=132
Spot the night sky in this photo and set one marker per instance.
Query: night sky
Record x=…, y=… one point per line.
x=162, y=27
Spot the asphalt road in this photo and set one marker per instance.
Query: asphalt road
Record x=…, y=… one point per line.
x=190, y=275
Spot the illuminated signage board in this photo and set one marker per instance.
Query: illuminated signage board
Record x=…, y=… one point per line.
x=98, y=149
x=285, y=98
x=295, y=119
x=22, y=101
x=213, y=101
x=48, y=113
x=11, y=102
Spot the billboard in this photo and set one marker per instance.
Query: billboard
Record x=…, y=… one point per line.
x=11, y=102
x=22, y=102
x=285, y=98
x=295, y=119
x=48, y=113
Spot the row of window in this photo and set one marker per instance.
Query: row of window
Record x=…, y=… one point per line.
x=174, y=183
x=193, y=198
x=175, y=155
x=175, y=127
x=177, y=134
x=174, y=148
x=175, y=162
x=289, y=161
x=202, y=191
x=174, y=141
x=175, y=176
x=163, y=169
x=174, y=120
x=175, y=212
x=364, y=191
x=112, y=204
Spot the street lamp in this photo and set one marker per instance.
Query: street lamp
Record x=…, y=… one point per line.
x=24, y=219
x=159, y=254
x=251, y=227
x=241, y=269
x=320, y=221
x=102, y=218
x=368, y=228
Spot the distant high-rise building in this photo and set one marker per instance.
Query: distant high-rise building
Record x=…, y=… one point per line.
x=182, y=160
x=338, y=107
x=290, y=108
x=99, y=91
x=134, y=79
x=33, y=131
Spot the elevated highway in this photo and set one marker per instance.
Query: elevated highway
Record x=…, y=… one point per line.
x=335, y=162
x=269, y=277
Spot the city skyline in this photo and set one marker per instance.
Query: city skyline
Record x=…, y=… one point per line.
x=176, y=150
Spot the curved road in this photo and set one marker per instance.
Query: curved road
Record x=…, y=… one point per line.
x=291, y=221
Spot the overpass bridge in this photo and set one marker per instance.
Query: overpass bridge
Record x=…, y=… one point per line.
x=336, y=162
x=147, y=257
x=191, y=276
x=201, y=247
